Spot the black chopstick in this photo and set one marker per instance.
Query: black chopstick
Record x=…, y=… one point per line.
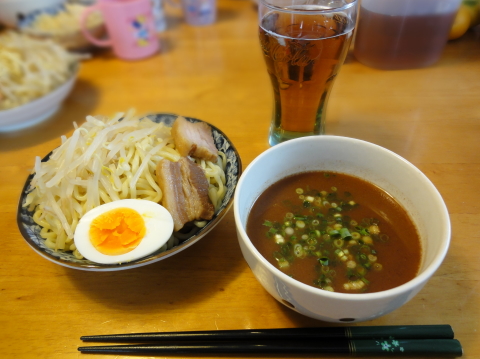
x=442, y=331
x=362, y=347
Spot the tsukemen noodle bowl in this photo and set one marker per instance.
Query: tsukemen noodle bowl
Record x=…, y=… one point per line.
x=101, y=201
x=339, y=229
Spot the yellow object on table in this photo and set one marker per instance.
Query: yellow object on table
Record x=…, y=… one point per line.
x=468, y=16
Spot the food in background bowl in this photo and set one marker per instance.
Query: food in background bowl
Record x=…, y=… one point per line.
x=12, y=11
x=62, y=24
x=373, y=164
x=35, y=77
x=31, y=68
x=109, y=159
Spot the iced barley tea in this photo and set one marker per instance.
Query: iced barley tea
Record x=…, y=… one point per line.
x=303, y=54
x=392, y=42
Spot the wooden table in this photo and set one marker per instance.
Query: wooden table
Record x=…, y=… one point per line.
x=216, y=73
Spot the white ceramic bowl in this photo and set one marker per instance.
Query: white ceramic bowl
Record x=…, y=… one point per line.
x=36, y=111
x=10, y=10
x=365, y=160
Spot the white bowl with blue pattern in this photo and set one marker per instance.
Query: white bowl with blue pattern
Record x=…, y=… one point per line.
x=30, y=230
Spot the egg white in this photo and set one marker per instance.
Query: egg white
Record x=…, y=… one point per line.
x=158, y=224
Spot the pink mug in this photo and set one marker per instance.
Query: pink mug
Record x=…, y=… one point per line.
x=130, y=27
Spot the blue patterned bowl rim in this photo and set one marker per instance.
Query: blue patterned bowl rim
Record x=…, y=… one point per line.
x=30, y=230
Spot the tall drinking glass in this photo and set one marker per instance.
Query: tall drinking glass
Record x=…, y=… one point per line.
x=304, y=43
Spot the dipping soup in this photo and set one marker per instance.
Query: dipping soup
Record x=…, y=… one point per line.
x=335, y=232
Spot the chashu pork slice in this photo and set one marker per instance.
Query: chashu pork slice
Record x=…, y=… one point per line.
x=168, y=174
x=194, y=139
x=195, y=189
x=185, y=191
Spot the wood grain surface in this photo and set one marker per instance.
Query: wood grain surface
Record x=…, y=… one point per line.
x=429, y=116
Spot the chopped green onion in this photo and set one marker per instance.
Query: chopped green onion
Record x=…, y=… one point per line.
x=334, y=233
x=365, y=280
x=298, y=250
x=278, y=256
x=320, y=226
x=279, y=239
x=323, y=261
x=345, y=233
x=282, y=262
x=268, y=224
x=361, y=270
x=362, y=231
x=300, y=224
x=338, y=243
x=356, y=235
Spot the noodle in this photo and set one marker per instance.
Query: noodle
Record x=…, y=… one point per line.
x=105, y=160
x=65, y=20
x=31, y=68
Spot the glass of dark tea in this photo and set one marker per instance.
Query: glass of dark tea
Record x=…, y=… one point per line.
x=304, y=43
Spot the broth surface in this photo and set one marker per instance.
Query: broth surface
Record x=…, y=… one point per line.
x=321, y=229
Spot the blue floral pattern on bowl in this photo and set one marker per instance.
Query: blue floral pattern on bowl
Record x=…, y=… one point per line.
x=31, y=231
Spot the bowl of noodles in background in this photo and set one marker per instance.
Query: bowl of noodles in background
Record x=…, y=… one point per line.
x=12, y=11
x=35, y=77
x=51, y=236
x=61, y=23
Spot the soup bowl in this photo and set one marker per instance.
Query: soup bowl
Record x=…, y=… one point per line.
x=375, y=164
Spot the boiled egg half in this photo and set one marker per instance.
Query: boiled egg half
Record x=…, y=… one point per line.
x=122, y=231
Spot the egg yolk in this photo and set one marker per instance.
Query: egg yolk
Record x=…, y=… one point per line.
x=117, y=231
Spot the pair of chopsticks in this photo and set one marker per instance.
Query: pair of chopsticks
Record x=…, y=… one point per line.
x=407, y=340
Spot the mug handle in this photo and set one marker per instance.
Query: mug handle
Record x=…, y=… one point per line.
x=86, y=33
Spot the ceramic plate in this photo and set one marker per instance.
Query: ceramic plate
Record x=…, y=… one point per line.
x=30, y=230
